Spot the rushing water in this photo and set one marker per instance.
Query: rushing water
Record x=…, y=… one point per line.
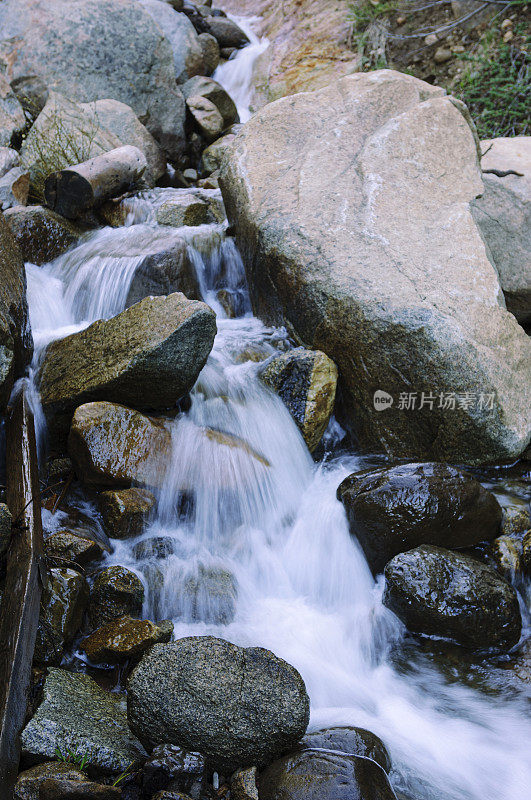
x=259, y=551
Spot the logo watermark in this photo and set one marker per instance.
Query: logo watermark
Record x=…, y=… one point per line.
x=433, y=400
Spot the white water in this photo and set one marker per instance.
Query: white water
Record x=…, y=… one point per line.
x=302, y=586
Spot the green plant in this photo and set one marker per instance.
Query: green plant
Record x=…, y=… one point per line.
x=70, y=757
x=369, y=31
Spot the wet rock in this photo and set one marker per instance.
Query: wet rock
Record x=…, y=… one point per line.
x=41, y=234
x=369, y=274
x=186, y=210
x=16, y=343
x=93, y=49
x=14, y=188
x=179, y=31
x=237, y=706
x=201, y=86
x=171, y=765
x=112, y=445
x=12, y=119
x=210, y=596
x=148, y=356
x=305, y=380
x=516, y=520
x=355, y=741
x=116, y=592
x=206, y=116
x=164, y=795
x=124, y=638
x=9, y=158
x=5, y=529
x=29, y=782
x=324, y=776
x=126, y=511
x=63, y=603
x=155, y=547
x=526, y=553
x=68, y=789
x=243, y=784
x=503, y=214
x=227, y=33
x=393, y=510
x=210, y=48
x=437, y=592
x=32, y=94
x=66, y=548
x=506, y=553
x=76, y=715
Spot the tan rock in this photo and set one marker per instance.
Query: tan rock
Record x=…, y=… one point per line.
x=125, y=511
x=206, y=115
x=180, y=211
x=29, y=782
x=243, y=784
x=125, y=638
x=14, y=188
x=66, y=548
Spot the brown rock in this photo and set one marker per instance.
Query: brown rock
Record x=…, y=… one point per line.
x=41, y=234
x=68, y=789
x=116, y=592
x=126, y=511
x=125, y=638
x=66, y=548
x=29, y=782
x=63, y=603
x=243, y=784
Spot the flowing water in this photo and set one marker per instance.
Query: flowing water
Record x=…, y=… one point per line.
x=259, y=551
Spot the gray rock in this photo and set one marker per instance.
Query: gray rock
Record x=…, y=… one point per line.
x=206, y=116
x=346, y=739
x=237, y=706
x=5, y=529
x=126, y=511
x=75, y=714
x=180, y=33
x=14, y=188
x=227, y=33
x=210, y=47
x=9, y=158
x=393, y=510
x=180, y=211
x=32, y=94
x=93, y=49
x=312, y=775
x=440, y=593
x=63, y=603
x=346, y=238
x=305, y=380
x=213, y=91
x=16, y=342
x=148, y=356
x=29, y=782
x=171, y=765
x=12, y=119
x=41, y=234
x=503, y=214
x=116, y=592
x=212, y=155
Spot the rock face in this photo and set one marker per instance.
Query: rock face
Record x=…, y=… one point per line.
x=237, y=706
x=179, y=31
x=370, y=275
x=324, y=776
x=62, y=605
x=125, y=638
x=306, y=381
x=94, y=49
x=16, y=343
x=148, y=356
x=125, y=512
x=75, y=714
x=116, y=592
x=355, y=741
x=393, y=510
x=41, y=234
x=503, y=214
x=440, y=593
x=12, y=119
x=112, y=445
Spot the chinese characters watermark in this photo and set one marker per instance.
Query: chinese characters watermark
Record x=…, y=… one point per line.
x=433, y=400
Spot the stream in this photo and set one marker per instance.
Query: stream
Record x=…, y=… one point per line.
x=271, y=531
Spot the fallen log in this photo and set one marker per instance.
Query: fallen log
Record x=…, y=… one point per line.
x=72, y=191
x=21, y=600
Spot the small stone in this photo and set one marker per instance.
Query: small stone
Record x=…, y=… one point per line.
x=526, y=553
x=9, y=158
x=430, y=39
x=507, y=23
x=506, y=552
x=171, y=764
x=400, y=20
x=458, y=48
x=67, y=548
x=442, y=54
x=190, y=175
x=516, y=520
x=116, y=592
x=125, y=638
x=180, y=211
x=63, y=603
x=154, y=547
x=508, y=36
x=29, y=782
x=243, y=784
x=209, y=183
x=125, y=511
x=210, y=48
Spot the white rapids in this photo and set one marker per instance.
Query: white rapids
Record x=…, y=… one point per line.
x=265, y=517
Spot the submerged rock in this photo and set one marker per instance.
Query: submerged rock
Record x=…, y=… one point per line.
x=41, y=234
x=186, y=210
x=116, y=592
x=126, y=511
x=437, y=592
x=310, y=775
x=125, y=638
x=148, y=356
x=392, y=510
x=305, y=380
x=63, y=603
x=76, y=715
x=237, y=706
x=363, y=242
x=354, y=741
x=210, y=596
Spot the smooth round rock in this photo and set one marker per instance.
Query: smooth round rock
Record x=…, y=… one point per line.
x=354, y=741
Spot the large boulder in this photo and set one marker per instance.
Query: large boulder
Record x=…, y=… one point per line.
x=41, y=234
x=306, y=381
x=76, y=716
x=311, y=775
x=179, y=31
x=93, y=49
x=16, y=343
x=237, y=706
x=503, y=214
x=441, y=593
x=393, y=510
x=12, y=119
x=351, y=206
x=148, y=356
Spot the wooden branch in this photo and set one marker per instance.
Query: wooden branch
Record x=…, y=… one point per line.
x=21, y=600
x=74, y=190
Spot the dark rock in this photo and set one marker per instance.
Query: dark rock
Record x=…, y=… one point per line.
x=29, y=782
x=63, y=603
x=41, y=234
x=171, y=764
x=354, y=741
x=69, y=789
x=126, y=511
x=66, y=548
x=237, y=706
x=243, y=784
x=437, y=592
x=393, y=510
x=227, y=33
x=5, y=529
x=32, y=94
x=116, y=592
x=310, y=775
x=124, y=638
